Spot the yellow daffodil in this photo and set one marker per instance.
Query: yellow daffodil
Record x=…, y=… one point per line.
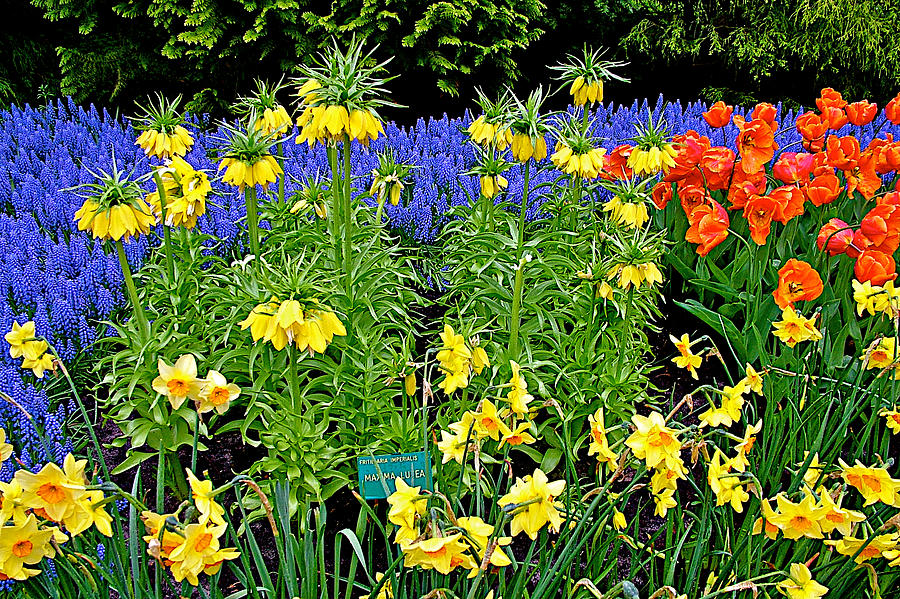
x=664, y=501
x=518, y=435
x=478, y=532
x=178, y=382
x=443, y=554
x=686, y=358
x=865, y=295
x=892, y=418
x=204, y=500
x=874, y=484
x=24, y=545
x=12, y=506
x=518, y=395
x=835, y=517
x=881, y=354
x=541, y=508
x=160, y=540
x=666, y=479
x=794, y=328
x=874, y=547
x=488, y=419
x=599, y=443
x=452, y=447
x=216, y=393
x=654, y=442
x=730, y=412
x=21, y=339
x=407, y=504
x=725, y=485
x=53, y=489
x=619, y=522
x=198, y=550
x=89, y=511
x=798, y=519
x=753, y=380
x=743, y=448
x=42, y=363
x=386, y=591
x=800, y=585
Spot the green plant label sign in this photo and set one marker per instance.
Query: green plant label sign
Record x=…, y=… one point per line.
x=378, y=473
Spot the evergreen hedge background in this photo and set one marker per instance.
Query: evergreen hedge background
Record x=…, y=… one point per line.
x=112, y=52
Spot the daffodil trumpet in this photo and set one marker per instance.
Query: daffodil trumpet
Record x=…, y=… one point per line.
x=167, y=234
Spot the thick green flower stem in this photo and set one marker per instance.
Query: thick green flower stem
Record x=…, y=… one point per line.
x=132, y=290
x=335, y=220
x=167, y=234
x=252, y=218
x=523, y=209
x=514, y=313
x=348, y=219
x=294, y=381
x=281, y=178
x=379, y=213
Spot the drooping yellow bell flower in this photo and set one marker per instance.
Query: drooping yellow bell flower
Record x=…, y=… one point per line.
x=587, y=164
x=119, y=221
x=262, y=170
x=165, y=145
x=186, y=191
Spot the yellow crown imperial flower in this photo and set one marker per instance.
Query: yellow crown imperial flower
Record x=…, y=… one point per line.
x=586, y=92
x=652, y=160
x=273, y=120
x=262, y=170
x=587, y=164
x=113, y=208
x=524, y=148
x=283, y=323
x=163, y=134
x=491, y=185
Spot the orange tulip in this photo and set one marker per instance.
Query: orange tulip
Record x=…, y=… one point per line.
x=759, y=211
x=797, y=281
x=892, y=110
x=756, y=144
x=813, y=129
x=861, y=113
x=842, y=152
x=886, y=153
x=691, y=147
x=661, y=194
x=717, y=165
x=718, y=115
x=821, y=166
x=709, y=227
x=789, y=200
x=835, y=118
x=862, y=177
x=744, y=185
x=615, y=163
x=881, y=227
x=876, y=267
x=830, y=97
x=793, y=167
x=691, y=197
x=824, y=189
x=834, y=237
x=765, y=112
